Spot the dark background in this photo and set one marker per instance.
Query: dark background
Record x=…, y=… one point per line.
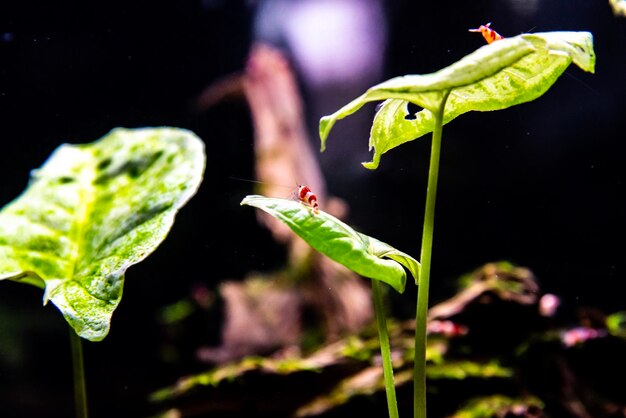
x=541, y=184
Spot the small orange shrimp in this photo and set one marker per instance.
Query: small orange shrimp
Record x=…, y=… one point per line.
x=306, y=196
x=489, y=34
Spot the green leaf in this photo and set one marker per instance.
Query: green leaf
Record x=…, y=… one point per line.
x=362, y=254
x=93, y=210
x=619, y=7
x=497, y=76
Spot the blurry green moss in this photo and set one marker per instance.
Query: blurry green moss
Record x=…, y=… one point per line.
x=466, y=369
x=616, y=324
x=177, y=312
x=499, y=406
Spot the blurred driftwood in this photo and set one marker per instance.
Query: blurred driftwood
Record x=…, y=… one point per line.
x=496, y=366
x=507, y=282
x=260, y=318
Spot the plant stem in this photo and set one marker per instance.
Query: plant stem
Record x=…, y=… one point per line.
x=385, y=350
x=419, y=370
x=80, y=392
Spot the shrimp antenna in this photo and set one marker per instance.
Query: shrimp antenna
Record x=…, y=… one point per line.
x=257, y=182
x=247, y=180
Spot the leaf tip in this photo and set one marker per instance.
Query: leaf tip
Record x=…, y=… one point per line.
x=251, y=200
x=585, y=55
x=372, y=165
x=50, y=286
x=326, y=124
x=589, y=45
x=400, y=287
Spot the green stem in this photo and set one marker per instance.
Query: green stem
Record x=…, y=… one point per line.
x=385, y=350
x=80, y=392
x=419, y=370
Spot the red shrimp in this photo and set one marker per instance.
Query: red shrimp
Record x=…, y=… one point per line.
x=489, y=34
x=306, y=196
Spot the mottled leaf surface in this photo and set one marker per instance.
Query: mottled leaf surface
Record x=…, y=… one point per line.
x=360, y=253
x=93, y=210
x=496, y=76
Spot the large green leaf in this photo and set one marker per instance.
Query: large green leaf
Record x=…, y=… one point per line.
x=93, y=210
x=362, y=254
x=499, y=75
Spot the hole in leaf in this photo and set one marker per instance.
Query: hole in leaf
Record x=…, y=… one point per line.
x=412, y=110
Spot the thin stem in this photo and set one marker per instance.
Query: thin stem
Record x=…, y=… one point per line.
x=80, y=392
x=385, y=350
x=419, y=370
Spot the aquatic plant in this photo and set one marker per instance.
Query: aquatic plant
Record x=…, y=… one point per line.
x=88, y=214
x=502, y=74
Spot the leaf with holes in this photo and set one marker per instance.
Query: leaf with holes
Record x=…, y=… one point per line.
x=494, y=77
x=93, y=210
x=360, y=253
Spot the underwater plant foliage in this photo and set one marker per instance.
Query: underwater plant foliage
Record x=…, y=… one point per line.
x=93, y=210
x=362, y=254
x=496, y=76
